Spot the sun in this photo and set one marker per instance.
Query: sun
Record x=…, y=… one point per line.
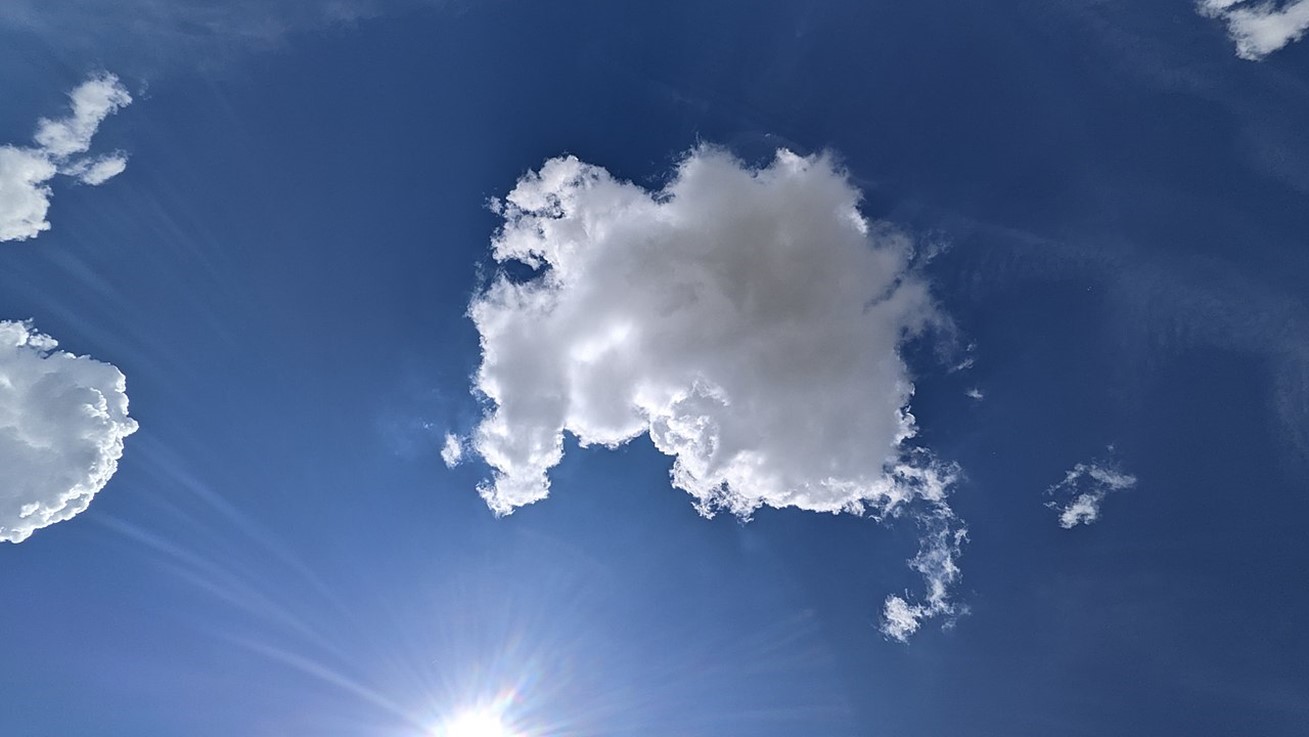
x=476, y=724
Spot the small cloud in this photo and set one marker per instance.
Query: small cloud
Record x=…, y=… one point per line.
x=25, y=172
x=747, y=320
x=975, y=393
x=92, y=101
x=968, y=361
x=1259, y=27
x=98, y=170
x=452, y=452
x=1078, y=497
x=63, y=419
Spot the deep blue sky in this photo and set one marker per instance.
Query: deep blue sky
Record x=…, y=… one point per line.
x=282, y=274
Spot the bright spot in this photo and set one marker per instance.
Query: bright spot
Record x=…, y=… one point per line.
x=476, y=724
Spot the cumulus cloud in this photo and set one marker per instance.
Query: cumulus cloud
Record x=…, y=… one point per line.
x=25, y=172
x=63, y=419
x=748, y=320
x=1258, y=28
x=1077, y=498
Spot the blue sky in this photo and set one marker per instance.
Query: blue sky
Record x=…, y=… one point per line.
x=1068, y=238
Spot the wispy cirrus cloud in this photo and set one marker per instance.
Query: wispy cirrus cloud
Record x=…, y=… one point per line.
x=1259, y=27
x=63, y=419
x=61, y=145
x=748, y=320
x=149, y=38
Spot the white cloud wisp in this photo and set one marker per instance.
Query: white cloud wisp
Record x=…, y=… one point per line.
x=25, y=172
x=63, y=419
x=748, y=320
x=1077, y=498
x=452, y=450
x=1259, y=28
x=937, y=560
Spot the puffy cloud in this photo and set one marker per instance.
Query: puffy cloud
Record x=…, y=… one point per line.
x=63, y=419
x=1078, y=497
x=1259, y=28
x=25, y=173
x=747, y=320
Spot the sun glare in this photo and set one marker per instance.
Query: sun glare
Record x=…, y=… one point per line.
x=476, y=724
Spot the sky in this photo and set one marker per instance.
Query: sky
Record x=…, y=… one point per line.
x=485, y=368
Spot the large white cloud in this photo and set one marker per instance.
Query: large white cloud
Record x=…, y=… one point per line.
x=1077, y=498
x=25, y=172
x=63, y=419
x=748, y=320
x=1260, y=27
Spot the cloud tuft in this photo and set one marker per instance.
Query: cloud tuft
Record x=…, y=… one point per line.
x=452, y=451
x=25, y=172
x=1077, y=498
x=748, y=320
x=1259, y=27
x=92, y=101
x=98, y=170
x=63, y=419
